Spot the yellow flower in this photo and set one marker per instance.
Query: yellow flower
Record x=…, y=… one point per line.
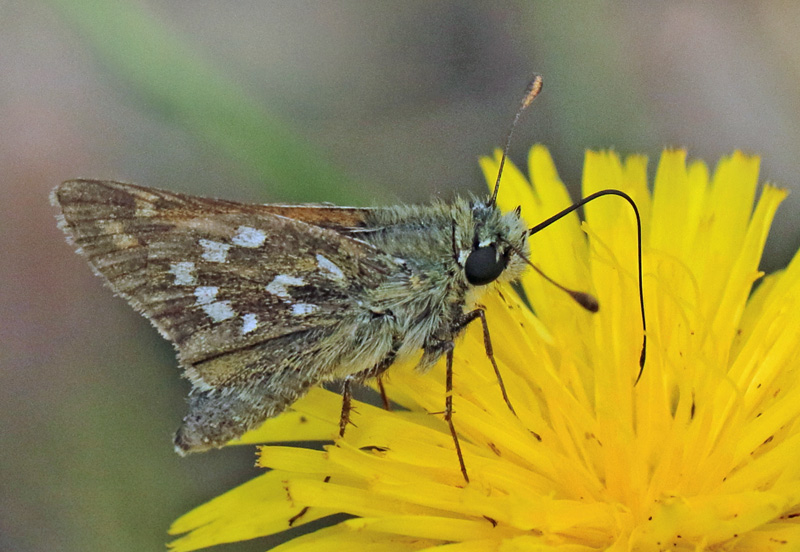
x=702, y=454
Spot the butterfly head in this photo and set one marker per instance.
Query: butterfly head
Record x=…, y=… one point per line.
x=491, y=251
x=500, y=244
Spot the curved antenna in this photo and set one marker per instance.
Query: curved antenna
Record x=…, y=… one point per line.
x=545, y=223
x=534, y=87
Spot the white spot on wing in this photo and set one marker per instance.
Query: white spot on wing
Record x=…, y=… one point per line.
x=303, y=308
x=249, y=323
x=216, y=310
x=219, y=310
x=330, y=267
x=279, y=284
x=249, y=237
x=215, y=252
x=184, y=273
x=205, y=294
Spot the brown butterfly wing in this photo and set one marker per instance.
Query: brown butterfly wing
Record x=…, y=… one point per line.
x=247, y=293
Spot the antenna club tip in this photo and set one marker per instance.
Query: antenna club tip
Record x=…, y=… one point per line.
x=586, y=300
x=534, y=87
x=642, y=358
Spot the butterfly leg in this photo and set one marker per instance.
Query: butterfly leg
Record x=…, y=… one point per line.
x=434, y=352
x=431, y=353
x=347, y=399
x=361, y=377
x=384, y=397
x=487, y=345
x=344, y=420
x=448, y=409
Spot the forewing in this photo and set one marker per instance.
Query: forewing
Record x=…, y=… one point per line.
x=342, y=219
x=215, y=277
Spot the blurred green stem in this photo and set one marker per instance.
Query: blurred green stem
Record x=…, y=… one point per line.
x=148, y=57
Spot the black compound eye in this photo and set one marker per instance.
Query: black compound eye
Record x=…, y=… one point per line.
x=483, y=265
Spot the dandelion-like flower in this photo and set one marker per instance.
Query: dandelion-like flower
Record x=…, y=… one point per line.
x=703, y=453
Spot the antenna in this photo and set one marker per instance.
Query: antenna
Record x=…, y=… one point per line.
x=534, y=87
x=545, y=223
x=586, y=300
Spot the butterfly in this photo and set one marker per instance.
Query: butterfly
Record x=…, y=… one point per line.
x=262, y=302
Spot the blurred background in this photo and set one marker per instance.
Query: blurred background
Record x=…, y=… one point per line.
x=352, y=102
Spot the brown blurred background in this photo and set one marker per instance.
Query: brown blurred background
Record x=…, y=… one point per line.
x=396, y=100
